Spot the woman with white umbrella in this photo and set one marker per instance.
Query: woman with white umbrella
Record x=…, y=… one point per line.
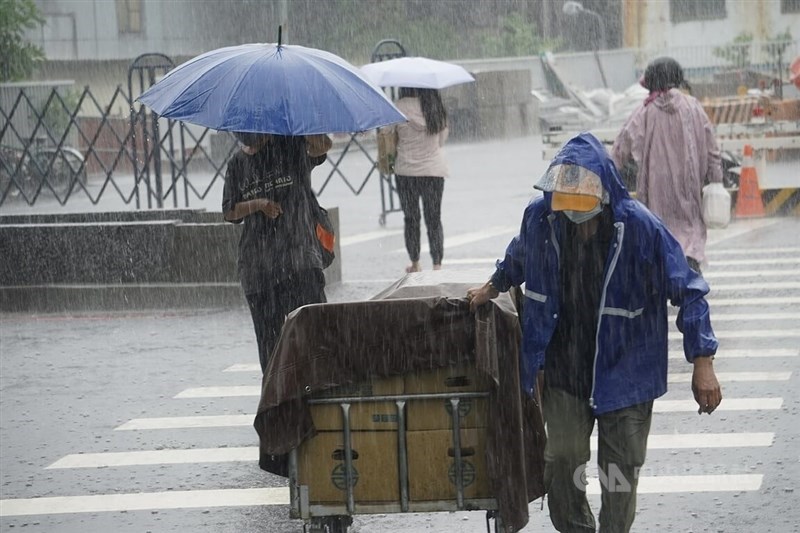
x=420, y=170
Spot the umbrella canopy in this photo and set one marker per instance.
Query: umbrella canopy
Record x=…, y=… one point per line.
x=271, y=88
x=418, y=72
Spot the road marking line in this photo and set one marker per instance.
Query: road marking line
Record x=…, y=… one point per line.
x=244, y=367
x=755, y=286
x=704, y=440
x=769, y=261
x=778, y=300
x=749, y=274
x=722, y=317
x=186, y=422
x=214, y=392
x=734, y=377
x=157, y=457
x=469, y=238
x=728, y=404
x=702, y=483
x=370, y=236
x=174, y=499
x=725, y=354
x=754, y=251
x=747, y=334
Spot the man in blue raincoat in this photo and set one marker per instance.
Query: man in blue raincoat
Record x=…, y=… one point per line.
x=598, y=269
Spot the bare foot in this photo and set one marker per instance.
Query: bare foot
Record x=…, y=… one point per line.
x=437, y=267
x=414, y=267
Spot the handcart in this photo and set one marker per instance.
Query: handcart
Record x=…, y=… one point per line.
x=404, y=403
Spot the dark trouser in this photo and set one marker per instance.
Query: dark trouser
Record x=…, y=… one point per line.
x=409, y=190
x=270, y=307
x=622, y=443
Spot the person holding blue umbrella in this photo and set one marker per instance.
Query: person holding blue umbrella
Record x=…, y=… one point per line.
x=268, y=190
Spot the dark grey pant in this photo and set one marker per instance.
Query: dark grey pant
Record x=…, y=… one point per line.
x=410, y=189
x=270, y=307
x=622, y=444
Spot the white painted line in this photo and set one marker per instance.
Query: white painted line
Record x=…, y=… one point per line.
x=186, y=422
x=753, y=352
x=755, y=252
x=721, y=274
x=469, y=238
x=736, y=229
x=728, y=404
x=747, y=334
x=761, y=261
x=244, y=367
x=174, y=499
x=721, y=317
x=704, y=440
x=734, y=377
x=365, y=237
x=673, y=484
x=219, y=392
x=778, y=300
x=157, y=457
x=755, y=286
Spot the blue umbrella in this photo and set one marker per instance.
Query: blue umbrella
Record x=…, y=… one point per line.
x=271, y=88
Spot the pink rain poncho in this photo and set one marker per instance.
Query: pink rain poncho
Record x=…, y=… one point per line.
x=672, y=143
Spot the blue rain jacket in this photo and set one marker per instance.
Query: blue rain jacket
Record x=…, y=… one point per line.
x=645, y=268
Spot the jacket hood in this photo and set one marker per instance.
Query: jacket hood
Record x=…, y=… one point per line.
x=413, y=112
x=670, y=101
x=587, y=151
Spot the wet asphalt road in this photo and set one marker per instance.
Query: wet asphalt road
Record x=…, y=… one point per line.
x=69, y=383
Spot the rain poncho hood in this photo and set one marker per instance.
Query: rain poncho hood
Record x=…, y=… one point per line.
x=644, y=270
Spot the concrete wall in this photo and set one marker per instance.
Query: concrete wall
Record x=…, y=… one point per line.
x=154, y=259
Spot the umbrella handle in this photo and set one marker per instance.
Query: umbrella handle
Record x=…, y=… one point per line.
x=280, y=30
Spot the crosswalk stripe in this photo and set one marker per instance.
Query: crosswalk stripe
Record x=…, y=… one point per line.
x=728, y=404
x=216, y=392
x=701, y=483
x=763, y=261
x=157, y=457
x=174, y=499
x=252, y=390
x=747, y=334
x=213, y=421
x=742, y=302
x=723, y=317
x=759, y=285
x=244, y=367
x=704, y=440
x=469, y=238
x=187, y=422
x=748, y=274
x=734, y=377
x=250, y=453
x=726, y=354
x=370, y=236
x=755, y=251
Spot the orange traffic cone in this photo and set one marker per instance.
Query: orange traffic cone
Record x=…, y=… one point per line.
x=748, y=200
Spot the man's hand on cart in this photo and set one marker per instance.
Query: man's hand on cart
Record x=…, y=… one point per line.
x=478, y=296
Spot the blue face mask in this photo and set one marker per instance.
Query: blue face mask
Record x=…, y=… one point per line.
x=579, y=217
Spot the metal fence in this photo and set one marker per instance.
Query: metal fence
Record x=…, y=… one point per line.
x=59, y=143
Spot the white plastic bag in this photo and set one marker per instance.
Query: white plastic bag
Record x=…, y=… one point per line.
x=716, y=205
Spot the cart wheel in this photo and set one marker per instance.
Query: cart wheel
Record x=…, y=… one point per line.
x=382, y=220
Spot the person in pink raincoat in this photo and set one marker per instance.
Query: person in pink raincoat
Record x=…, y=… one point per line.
x=672, y=145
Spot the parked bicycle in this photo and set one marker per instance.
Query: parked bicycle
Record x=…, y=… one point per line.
x=47, y=167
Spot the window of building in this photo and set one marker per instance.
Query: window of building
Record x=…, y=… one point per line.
x=688, y=10
x=790, y=6
x=129, y=16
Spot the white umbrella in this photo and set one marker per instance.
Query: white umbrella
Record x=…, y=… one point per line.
x=417, y=72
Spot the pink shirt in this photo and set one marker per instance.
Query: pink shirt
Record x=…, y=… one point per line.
x=673, y=144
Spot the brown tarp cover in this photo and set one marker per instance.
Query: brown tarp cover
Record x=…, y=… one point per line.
x=421, y=322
